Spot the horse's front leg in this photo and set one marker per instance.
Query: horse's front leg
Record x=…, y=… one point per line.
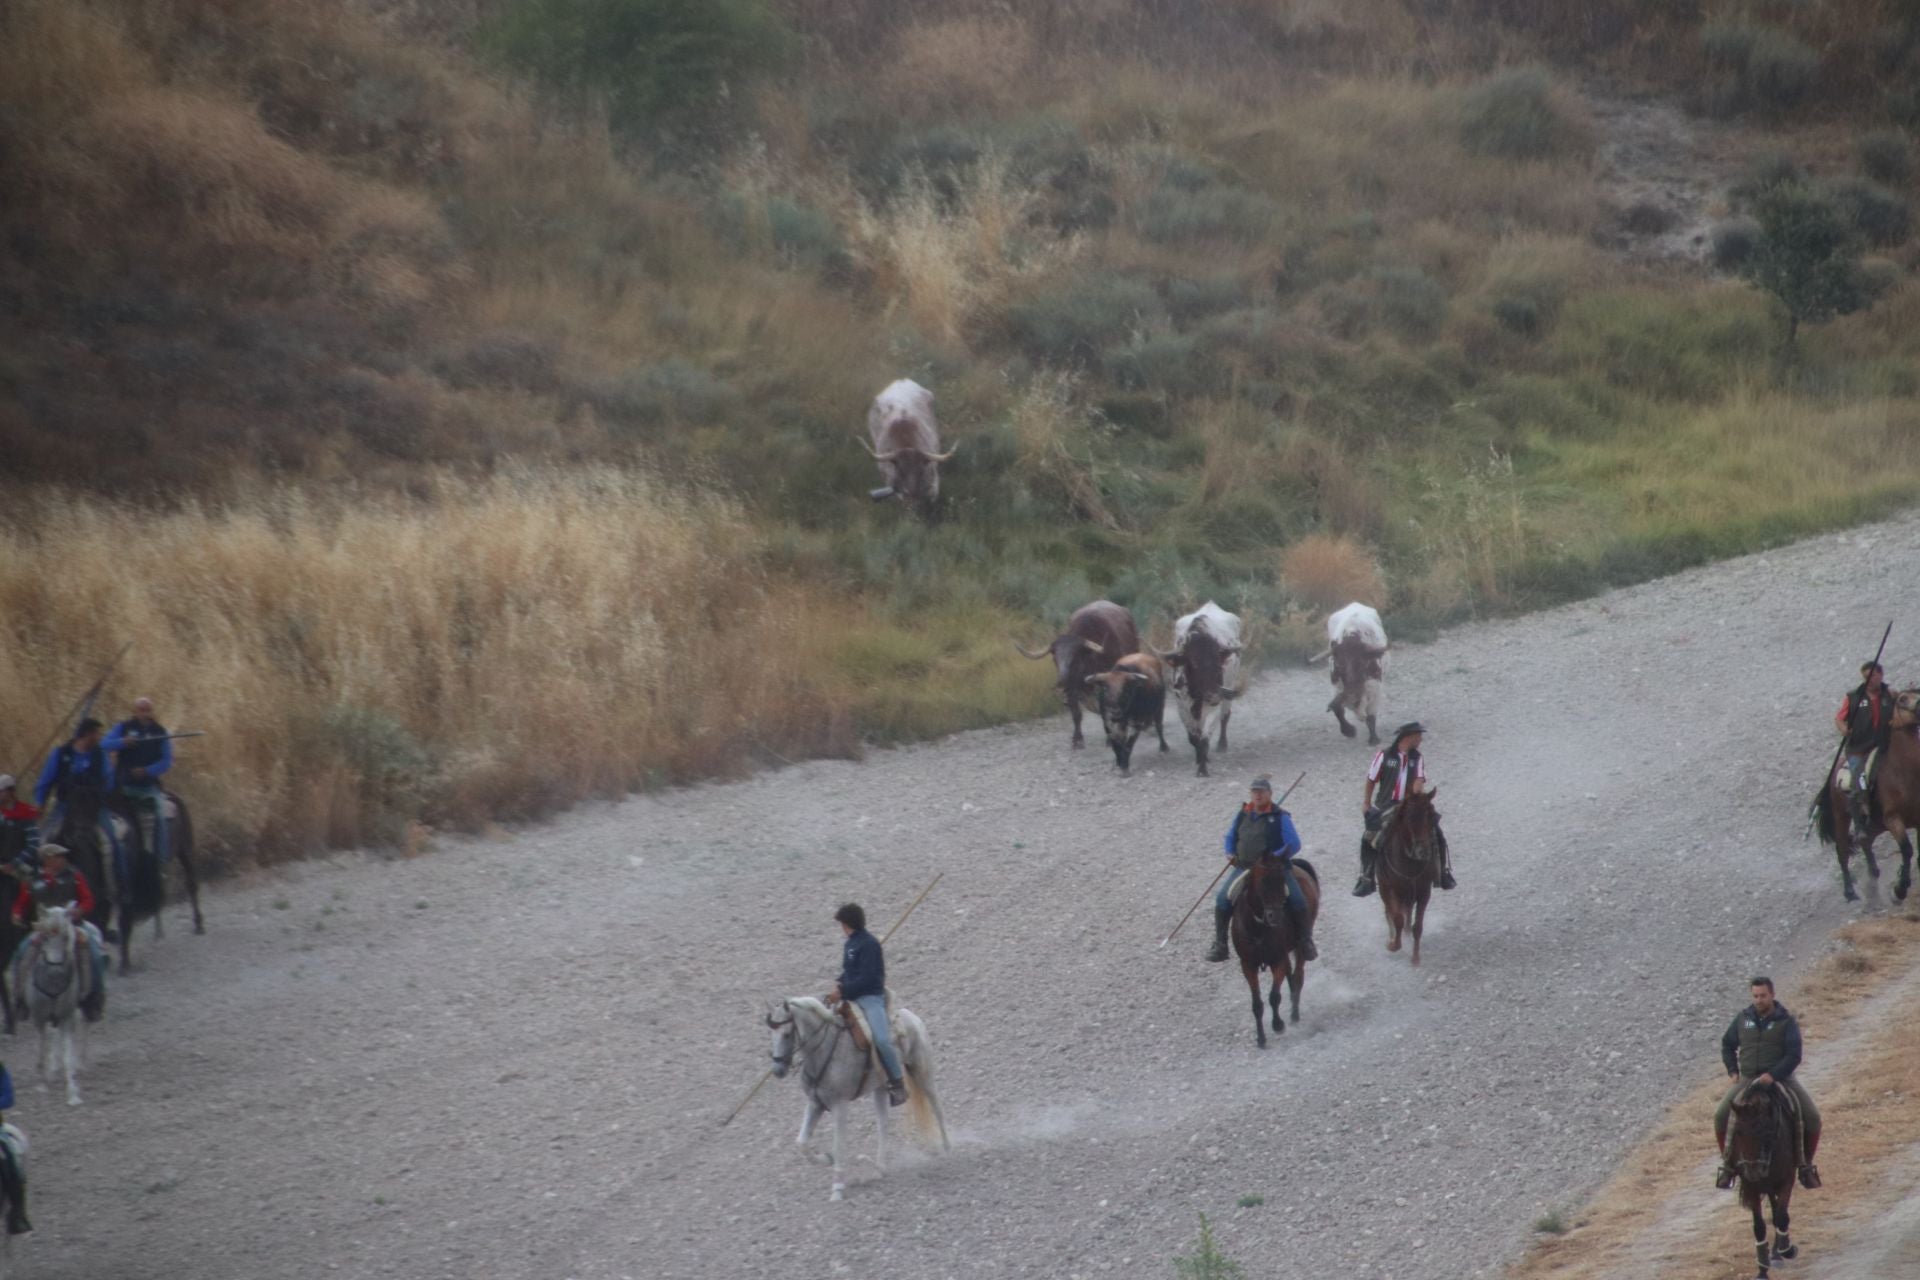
x=839, y=1164
x=880, y=1105
x=1784, y=1249
x=1296, y=978
x=1760, y=1250
x=1396, y=922
x=1273, y=999
x=1843, y=854
x=1419, y=927
x=1898, y=830
x=184, y=857
x=1251, y=972
x=810, y=1118
x=46, y=1056
x=126, y=938
x=69, y=1055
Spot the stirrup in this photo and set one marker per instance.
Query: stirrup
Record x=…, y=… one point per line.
x=1723, y=1178
x=1447, y=881
x=1810, y=1177
x=1363, y=887
x=896, y=1093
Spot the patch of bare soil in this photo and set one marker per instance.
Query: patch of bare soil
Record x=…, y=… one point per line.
x=1665, y=174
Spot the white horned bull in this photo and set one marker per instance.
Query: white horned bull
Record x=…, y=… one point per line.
x=1357, y=643
x=905, y=440
x=1206, y=674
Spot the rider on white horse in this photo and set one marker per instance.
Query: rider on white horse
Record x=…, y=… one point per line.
x=863, y=981
x=13, y=1177
x=59, y=885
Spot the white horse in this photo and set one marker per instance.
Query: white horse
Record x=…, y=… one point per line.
x=59, y=976
x=834, y=1072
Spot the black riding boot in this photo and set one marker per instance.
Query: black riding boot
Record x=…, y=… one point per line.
x=1365, y=884
x=1221, y=920
x=15, y=1187
x=1446, y=865
x=1303, y=934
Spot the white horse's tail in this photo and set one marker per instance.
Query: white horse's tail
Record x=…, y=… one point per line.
x=923, y=1104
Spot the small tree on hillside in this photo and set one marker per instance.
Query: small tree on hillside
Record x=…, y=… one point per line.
x=1807, y=257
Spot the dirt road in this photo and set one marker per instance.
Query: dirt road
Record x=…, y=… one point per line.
x=508, y=1058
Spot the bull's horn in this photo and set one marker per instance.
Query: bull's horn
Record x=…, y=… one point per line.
x=1092, y=679
x=1030, y=653
x=942, y=457
x=1093, y=646
x=1163, y=654
x=1232, y=648
x=1138, y=677
x=888, y=456
x=1320, y=656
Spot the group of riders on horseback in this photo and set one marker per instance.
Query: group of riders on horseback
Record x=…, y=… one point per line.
x=97, y=771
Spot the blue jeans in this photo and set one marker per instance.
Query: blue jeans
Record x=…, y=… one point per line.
x=875, y=1007
x=1296, y=900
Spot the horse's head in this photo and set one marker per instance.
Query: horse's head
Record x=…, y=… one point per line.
x=1906, y=708
x=55, y=926
x=780, y=1021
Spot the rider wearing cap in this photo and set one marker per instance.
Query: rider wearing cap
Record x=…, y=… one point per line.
x=1396, y=773
x=1866, y=718
x=141, y=752
x=56, y=886
x=1262, y=829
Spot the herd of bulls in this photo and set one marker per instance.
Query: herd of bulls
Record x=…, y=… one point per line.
x=1100, y=657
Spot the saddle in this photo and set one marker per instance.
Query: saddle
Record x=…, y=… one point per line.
x=855, y=1021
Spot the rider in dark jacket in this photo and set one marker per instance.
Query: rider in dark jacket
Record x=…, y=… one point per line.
x=863, y=981
x=1762, y=1045
x=1260, y=828
x=1866, y=718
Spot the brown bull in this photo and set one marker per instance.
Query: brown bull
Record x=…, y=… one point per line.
x=1131, y=697
x=1097, y=636
x=905, y=441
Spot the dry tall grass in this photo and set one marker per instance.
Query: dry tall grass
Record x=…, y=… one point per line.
x=1328, y=572
x=495, y=649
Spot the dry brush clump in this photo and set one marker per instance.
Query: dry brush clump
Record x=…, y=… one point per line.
x=1326, y=571
x=489, y=649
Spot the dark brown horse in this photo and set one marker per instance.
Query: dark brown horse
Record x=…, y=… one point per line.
x=1263, y=936
x=1894, y=803
x=1409, y=865
x=1761, y=1150
x=141, y=894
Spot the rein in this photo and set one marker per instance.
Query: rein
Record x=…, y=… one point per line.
x=809, y=1078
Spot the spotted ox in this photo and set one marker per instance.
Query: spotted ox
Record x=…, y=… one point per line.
x=1357, y=643
x=904, y=440
x=1131, y=697
x=1206, y=674
x=1097, y=636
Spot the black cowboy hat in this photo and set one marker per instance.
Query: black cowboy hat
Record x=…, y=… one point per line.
x=1411, y=726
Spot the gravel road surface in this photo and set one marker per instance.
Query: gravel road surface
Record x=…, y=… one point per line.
x=509, y=1057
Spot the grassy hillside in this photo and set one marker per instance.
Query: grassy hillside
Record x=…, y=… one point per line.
x=1260, y=300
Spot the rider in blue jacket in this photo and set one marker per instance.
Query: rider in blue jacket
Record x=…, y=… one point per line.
x=863, y=981
x=1261, y=829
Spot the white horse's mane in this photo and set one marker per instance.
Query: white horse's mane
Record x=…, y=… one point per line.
x=811, y=1006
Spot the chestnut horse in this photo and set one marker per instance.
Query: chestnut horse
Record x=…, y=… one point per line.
x=1895, y=802
x=1409, y=864
x=1263, y=936
x=1761, y=1151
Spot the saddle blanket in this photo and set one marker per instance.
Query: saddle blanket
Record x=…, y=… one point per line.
x=862, y=1032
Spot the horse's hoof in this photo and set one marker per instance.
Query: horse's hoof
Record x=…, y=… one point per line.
x=1393, y=944
x=198, y=927
x=1900, y=888
x=1348, y=731
x=1851, y=895
x=73, y=1099
x=1787, y=1254
x=839, y=1194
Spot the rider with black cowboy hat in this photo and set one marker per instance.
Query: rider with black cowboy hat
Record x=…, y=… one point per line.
x=1396, y=773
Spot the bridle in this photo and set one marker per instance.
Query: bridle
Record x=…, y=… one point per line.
x=810, y=1078
x=783, y=1059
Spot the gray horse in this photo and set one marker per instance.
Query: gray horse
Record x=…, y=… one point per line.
x=833, y=1072
x=58, y=979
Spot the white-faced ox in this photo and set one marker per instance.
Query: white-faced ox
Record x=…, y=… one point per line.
x=1131, y=697
x=1205, y=662
x=1357, y=643
x=1097, y=636
x=904, y=439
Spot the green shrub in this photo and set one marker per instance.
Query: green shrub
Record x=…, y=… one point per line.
x=1176, y=213
x=1075, y=320
x=1690, y=348
x=1876, y=213
x=1411, y=302
x=1513, y=114
x=1160, y=362
x=1189, y=300
x=1808, y=257
x=1206, y=1262
x=1885, y=156
x=652, y=62
x=1765, y=172
x=1734, y=243
x=1759, y=68
x=1519, y=315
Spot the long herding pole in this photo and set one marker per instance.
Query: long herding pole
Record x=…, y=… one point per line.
x=82, y=706
x=768, y=1074
x=1826, y=779
x=1222, y=871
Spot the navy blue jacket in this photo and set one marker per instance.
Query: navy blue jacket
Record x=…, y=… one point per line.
x=863, y=971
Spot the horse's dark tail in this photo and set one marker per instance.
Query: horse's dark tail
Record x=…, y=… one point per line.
x=1823, y=813
x=1307, y=867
